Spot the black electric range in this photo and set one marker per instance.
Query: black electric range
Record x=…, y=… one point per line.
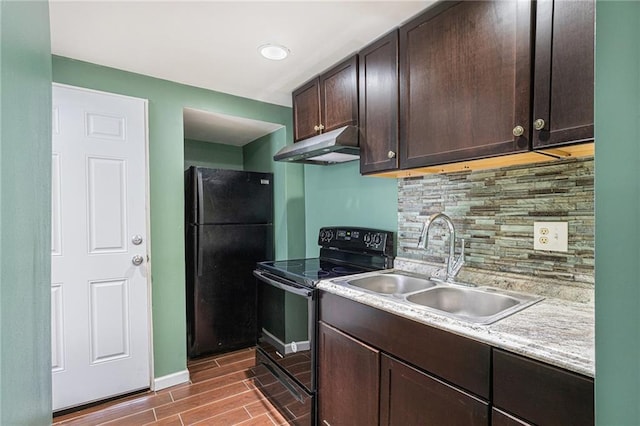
x=287, y=312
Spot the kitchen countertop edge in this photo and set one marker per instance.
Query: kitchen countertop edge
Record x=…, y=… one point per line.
x=555, y=331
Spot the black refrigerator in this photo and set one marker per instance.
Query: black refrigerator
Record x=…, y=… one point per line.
x=229, y=227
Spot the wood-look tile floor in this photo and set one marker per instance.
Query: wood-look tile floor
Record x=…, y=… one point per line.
x=221, y=393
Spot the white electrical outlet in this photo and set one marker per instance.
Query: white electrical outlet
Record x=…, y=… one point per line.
x=550, y=236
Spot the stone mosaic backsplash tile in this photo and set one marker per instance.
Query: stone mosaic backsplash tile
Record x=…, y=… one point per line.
x=494, y=211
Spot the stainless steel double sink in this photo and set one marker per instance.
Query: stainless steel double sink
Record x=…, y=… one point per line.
x=479, y=305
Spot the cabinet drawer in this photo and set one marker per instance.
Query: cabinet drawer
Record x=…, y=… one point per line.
x=461, y=361
x=540, y=393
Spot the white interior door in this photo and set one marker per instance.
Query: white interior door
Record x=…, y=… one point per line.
x=99, y=285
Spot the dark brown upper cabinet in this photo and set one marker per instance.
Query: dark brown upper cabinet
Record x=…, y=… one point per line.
x=327, y=102
x=306, y=110
x=563, y=77
x=465, y=82
x=379, y=97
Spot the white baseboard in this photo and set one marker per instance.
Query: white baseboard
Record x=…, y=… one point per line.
x=169, y=380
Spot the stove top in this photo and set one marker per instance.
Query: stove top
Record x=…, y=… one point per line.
x=309, y=272
x=343, y=251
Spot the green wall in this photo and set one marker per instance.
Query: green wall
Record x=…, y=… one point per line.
x=258, y=157
x=338, y=195
x=212, y=155
x=617, y=213
x=166, y=160
x=25, y=213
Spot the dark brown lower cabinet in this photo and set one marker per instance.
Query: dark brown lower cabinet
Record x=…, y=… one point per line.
x=500, y=418
x=348, y=385
x=540, y=393
x=410, y=397
x=375, y=367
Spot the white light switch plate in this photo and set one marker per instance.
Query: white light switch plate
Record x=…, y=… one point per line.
x=550, y=236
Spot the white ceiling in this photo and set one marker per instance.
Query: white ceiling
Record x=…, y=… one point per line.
x=213, y=44
x=225, y=129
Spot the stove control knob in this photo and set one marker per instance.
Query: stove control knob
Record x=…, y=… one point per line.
x=377, y=239
x=326, y=235
x=367, y=238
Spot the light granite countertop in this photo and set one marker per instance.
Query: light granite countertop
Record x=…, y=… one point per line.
x=556, y=331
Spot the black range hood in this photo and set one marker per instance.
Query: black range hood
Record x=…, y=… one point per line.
x=336, y=146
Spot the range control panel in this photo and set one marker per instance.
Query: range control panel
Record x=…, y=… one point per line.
x=357, y=239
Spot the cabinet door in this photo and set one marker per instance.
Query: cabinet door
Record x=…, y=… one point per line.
x=410, y=397
x=465, y=75
x=540, y=393
x=379, y=96
x=339, y=95
x=500, y=418
x=306, y=110
x=348, y=387
x=563, y=86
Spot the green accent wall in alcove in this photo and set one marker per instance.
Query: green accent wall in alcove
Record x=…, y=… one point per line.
x=212, y=155
x=337, y=195
x=258, y=157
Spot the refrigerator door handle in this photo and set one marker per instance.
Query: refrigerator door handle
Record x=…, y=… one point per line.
x=200, y=195
x=199, y=256
x=289, y=288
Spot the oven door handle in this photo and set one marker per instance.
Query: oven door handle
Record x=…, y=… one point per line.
x=290, y=288
x=284, y=382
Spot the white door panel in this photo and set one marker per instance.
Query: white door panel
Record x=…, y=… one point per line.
x=100, y=300
x=107, y=205
x=57, y=328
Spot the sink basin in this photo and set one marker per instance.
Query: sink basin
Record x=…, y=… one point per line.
x=478, y=306
x=391, y=283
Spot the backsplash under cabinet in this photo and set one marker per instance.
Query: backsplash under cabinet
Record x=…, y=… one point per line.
x=494, y=211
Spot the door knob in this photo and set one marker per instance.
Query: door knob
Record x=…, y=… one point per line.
x=518, y=131
x=136, y=240
x=539, y=124
x=137, y=259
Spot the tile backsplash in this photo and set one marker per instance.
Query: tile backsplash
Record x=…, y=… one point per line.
x=494, y=211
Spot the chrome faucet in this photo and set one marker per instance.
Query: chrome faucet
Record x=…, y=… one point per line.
x=453, y=264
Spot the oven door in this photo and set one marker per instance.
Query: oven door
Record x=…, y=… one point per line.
x=287, y=327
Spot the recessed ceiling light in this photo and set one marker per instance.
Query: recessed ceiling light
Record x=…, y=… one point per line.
x=275, y=52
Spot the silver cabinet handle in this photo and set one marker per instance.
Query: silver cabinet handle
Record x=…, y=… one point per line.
x=518, y=131
x=539, y=124
x=391, y=154
x=137, y=260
